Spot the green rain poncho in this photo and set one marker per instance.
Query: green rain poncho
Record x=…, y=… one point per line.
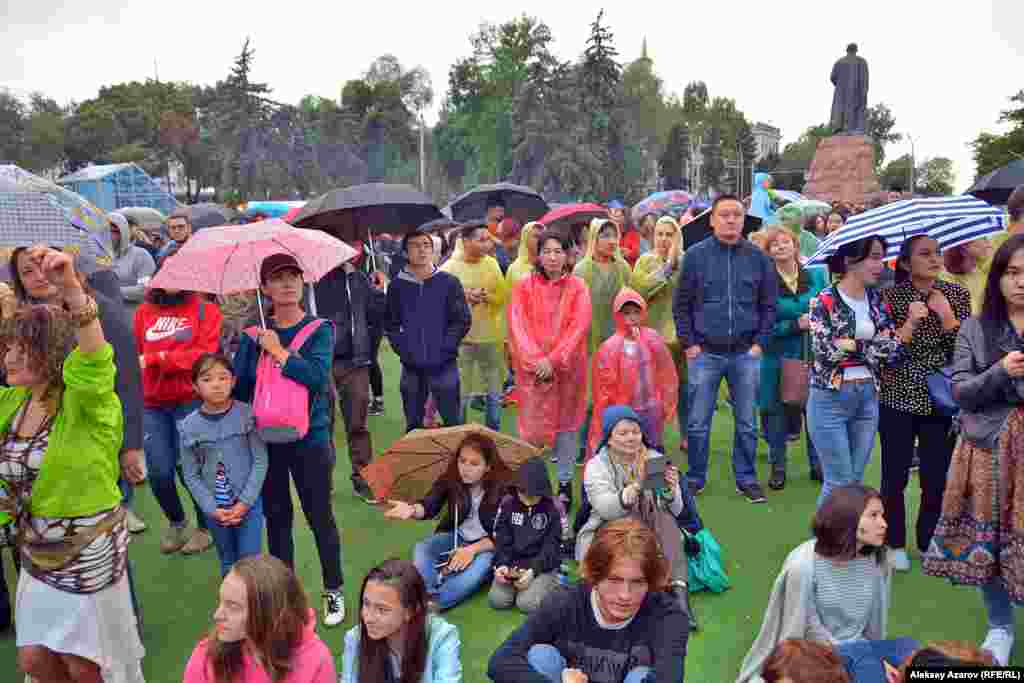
x=523, y=265
x=792, y=217
x=604, y=282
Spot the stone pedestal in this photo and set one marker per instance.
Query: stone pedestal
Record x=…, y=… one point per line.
x=843, y=169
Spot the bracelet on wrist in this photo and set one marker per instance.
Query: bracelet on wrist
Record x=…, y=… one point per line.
x=86, y=314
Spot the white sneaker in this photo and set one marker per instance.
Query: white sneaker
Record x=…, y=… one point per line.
x=135, y=524
x=334, y=608
x=899, y=561
x=999, y=642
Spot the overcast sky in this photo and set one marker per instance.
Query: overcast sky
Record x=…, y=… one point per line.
x=945, y=73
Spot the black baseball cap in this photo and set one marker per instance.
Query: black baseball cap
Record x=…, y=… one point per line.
x=277, y=262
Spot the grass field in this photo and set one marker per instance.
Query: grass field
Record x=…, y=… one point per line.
x=178, y=593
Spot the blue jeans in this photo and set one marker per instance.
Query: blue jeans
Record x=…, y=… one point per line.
x=774, y=428
x=565, y=450
x=998, y=605
x=863, y=658
x=235, y=542
x=549, y=663
x=162, y=445
x=742, y=373
x=443, y=382
x=843, y=424
x=452, y=588
x=492, y=418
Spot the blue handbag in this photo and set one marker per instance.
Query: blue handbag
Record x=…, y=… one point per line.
x=940, y=388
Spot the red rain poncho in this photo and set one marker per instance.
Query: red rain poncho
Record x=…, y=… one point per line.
x=550, y=319
x=641, y=375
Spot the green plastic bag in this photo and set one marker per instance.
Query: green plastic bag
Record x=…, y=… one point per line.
x=707, y=572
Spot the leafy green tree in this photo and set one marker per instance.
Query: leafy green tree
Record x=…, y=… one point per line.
x=13, y=127
x=896, y=173
x=935, y=176
x=880, y=123
x=991, y=151
x=675, y=159
x=714, y=164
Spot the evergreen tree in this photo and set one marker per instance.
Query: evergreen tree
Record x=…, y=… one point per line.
x=675, y=158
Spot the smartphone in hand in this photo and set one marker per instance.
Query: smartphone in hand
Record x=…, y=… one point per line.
x=655, y=473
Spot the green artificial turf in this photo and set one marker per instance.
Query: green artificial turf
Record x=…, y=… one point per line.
x=178, y=593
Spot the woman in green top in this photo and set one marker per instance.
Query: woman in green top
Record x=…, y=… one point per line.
x=61, y=430
x=797, y=286
x=655, y=277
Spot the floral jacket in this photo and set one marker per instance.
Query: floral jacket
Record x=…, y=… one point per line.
x=832, y=319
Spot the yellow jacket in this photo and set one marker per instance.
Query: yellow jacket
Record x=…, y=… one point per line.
x=488, y=318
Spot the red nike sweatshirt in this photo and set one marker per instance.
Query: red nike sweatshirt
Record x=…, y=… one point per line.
x=170, y=339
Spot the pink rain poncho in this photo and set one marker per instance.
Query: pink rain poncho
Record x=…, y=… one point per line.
x=634, y=368
x=550, y=319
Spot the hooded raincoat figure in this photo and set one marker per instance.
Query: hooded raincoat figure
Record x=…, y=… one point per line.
x=655, y=278
x=549, y=319
x=482, y=351
x=523, y=265
x=761, y=201
x=634, y=368
x=604, y=277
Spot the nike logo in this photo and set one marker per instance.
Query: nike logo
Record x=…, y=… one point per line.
x=165, y=327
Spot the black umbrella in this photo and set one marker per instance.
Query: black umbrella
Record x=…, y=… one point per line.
x=352, y=213
x=521, y=202
x=442, y=224
x=995, y=188
x=700, y=227
x=207, y=215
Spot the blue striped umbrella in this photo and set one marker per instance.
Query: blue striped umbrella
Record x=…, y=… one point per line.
x=948, y=220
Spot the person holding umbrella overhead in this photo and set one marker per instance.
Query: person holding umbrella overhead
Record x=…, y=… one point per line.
x=427, y=318
x=308, y=460
x=481, y=358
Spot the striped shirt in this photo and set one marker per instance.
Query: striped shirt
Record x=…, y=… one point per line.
x=844, y=594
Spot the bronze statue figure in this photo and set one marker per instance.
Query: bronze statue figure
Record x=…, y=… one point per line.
x=850, y=101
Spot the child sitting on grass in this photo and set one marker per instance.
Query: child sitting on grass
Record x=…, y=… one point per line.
x=527, y=537
x=224, y=462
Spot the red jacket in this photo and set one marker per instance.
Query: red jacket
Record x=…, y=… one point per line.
x=170, y=340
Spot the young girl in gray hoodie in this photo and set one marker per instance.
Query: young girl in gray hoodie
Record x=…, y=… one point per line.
x=224, y=461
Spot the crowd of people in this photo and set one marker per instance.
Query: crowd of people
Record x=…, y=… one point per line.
x=599, y=335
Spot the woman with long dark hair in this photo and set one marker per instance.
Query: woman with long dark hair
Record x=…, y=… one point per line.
x=457, y=559
x=264, y=630
x=977, y=540
x=852, y=336
x=397, y=640
x=928, y=311
x=835, y=589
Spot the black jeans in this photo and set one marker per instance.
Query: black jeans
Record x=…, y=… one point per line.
x=898, y=431
x=376, y=376
x=310, y=468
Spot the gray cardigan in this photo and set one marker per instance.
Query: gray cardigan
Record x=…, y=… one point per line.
x=985, y=391
x=789, y=607
x=232, y=440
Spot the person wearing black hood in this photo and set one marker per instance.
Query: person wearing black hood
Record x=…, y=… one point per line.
x=527, y=537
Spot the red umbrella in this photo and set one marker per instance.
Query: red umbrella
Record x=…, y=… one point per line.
x=292, y=213
x=567, y=215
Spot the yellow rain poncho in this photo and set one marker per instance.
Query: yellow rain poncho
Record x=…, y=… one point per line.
x=481, y=357
x=604, y=280
x=523, y=265
x=657, y=284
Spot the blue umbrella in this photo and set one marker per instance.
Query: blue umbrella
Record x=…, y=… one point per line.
x=948, y=220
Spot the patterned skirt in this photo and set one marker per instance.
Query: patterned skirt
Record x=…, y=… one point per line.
x=980, y=534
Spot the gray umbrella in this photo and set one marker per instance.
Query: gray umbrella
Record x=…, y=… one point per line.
x=995, y=188
x=208, y=214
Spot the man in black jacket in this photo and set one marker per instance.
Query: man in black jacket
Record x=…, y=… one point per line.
x=724, y=310
x=357, y=306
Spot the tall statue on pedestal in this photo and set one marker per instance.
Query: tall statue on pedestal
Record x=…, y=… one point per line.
x=850, y=101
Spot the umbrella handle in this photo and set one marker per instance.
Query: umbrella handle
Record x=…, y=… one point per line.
x=259, y=305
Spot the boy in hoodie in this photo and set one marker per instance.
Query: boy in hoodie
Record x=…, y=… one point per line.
x=634, y=368
x=427, y=318
x=131, y=262
x=527, y=536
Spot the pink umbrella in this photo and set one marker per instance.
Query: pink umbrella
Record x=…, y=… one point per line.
x=292, y=213
x=227, y=260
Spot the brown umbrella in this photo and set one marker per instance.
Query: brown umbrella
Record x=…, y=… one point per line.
x=408, y=469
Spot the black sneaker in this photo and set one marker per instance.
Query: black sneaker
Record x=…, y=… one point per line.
x=752, y=492
x=376, y=407
x=565, y=495
x=682, y=595
x=362, y=490
x=695, y=488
